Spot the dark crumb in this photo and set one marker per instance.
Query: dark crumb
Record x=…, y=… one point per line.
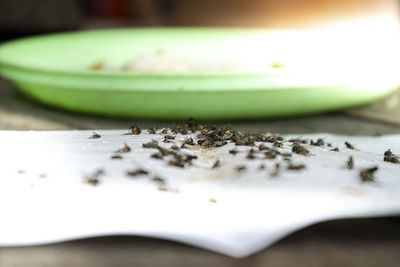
x=95, y=136
x=320, y=142
x=261, y=167
x=179, y=129
x=188, y=141
x=158, y=179
x=151, y=144
x=271, y=154
x=388, y=153
x=300, y=150
x=367, y=175
x=233, y=151
x=92, y=181
x=329, y=145
x=157, y=155
x=134, y=130
x=163, y=188
x=263, y=147
x=274, y=138
x=167, y=141
x=278, y=144
x=152, y=130
x=390, y=157
x=94, y=178
x=116, y=157
x=350, y=146
x=350, y=163
x=286, y=155
x=137, y=172
x=125, y=149
x=175, y=147
x=220, y=143
x=169, y=137
x=205, y=143
x=336, y=149
x=276, y=170
x=164, y=131
x=296, y=167
x=212, y=200
x=240, y=168
x=216, y=165
x=183, y=146
x=298, y=141
x=250, y=154
x=192, y=123
x=176, y=163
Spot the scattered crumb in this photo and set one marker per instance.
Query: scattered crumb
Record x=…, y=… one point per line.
x=350, y=163
x=95, y=136
x=367, y=175
x=212, y=200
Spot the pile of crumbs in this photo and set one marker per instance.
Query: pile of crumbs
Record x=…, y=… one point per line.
x=195, y=138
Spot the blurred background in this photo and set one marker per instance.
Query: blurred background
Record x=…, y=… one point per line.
x=26, y=17
x=20, y=18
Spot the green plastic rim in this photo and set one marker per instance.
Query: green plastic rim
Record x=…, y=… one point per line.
x=54, y=69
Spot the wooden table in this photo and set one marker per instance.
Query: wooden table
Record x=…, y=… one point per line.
x=357, y=242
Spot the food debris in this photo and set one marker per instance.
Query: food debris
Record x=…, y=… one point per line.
x=95, y=136
x=233, y=151
x=320, y=142
x=183, y=146
x=189, y=141
x=251, y=154
x=152, y=130
x=151, y=144
x=175, y=147
x=159, y=180
x=137, y=172
x=212, y=200
x=125, y=149
x=216, y=164
x=92, y=181
x=296, y=167
x=298, y=149
x=94, y=178
x=163, y=188
x=367, y=175
x=390, y=157
x=350, y=163
x=176, y=163
x=240, y=168
x=350, y=146
x=298, y=141
x=134, y=130
x=210, y=137
x=263, y=147
x=278, y=144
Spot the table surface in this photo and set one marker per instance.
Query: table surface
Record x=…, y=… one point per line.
x=355, y=242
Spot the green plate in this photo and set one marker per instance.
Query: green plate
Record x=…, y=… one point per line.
x=318, y=74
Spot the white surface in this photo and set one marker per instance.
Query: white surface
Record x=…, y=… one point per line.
x=252, y=211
